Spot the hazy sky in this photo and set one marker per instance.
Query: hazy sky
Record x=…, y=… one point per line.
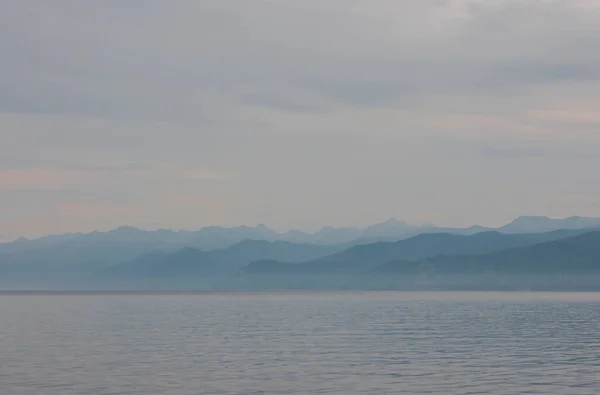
x=297, y=114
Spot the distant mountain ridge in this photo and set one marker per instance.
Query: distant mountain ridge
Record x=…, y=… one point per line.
x=537, y=224
x=128, y=252
x=215, y=237
x=191, y=261
x=570, y=263
x=362, y=258
x=82, y=260
x=576, y=254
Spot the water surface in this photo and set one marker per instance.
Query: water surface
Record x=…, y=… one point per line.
x=300, y=343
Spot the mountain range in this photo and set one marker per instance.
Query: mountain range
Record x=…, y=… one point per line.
x=215, y=237
x=362, y=258
x=568, y=260
x=194, y=262
x=165, y=256
x=576, y=254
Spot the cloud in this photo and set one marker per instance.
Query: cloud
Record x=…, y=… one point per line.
x=153, y=60
x=36, y=179
x=56, y=179
x=297, y=113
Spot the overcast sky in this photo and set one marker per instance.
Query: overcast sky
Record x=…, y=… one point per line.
x=296, y=114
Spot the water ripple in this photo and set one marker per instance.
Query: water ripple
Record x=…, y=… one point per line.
x=363, y=343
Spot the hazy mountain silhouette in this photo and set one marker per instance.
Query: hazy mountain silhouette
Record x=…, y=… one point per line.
x=577, y=254
x=193, y=262
x=183, y=262
x=531, y=224
x=75, y=261
x=70, y=259
x=215, y=237
x=363, y=257
x=24, y=244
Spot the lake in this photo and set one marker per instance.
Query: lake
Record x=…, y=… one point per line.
x=300, y=343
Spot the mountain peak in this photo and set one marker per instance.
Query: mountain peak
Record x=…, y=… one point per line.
x=391, y=222
x=533, y=224
x=124, y=229
x=529, y=218
x=21, y=240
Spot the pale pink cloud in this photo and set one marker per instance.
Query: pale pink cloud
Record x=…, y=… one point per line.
x=173, y=171
x=583, y=115
x=53, y=179
x=38, y=179
x=80, y=210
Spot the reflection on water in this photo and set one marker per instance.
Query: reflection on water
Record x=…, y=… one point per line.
x=342, y=343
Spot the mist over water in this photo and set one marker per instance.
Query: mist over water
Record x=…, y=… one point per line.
x=300, y=343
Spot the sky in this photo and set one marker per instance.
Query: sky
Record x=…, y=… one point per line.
x=296, y=113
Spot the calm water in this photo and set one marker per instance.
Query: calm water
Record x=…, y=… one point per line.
x=354, y=343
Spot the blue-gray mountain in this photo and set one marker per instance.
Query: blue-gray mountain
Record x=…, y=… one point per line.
x=530, y=224
x=166, y=257
x=215, y=237
x=566, y=264
x=362, y=258
x=194, y=262
x=77, y=263
x=571, y=255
